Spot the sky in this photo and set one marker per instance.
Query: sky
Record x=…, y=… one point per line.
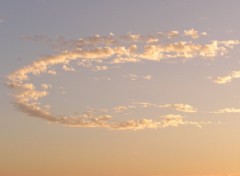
x=119, y=88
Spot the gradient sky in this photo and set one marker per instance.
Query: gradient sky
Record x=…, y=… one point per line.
x=119, y=88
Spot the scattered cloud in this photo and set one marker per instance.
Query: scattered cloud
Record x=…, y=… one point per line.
x=99, y=53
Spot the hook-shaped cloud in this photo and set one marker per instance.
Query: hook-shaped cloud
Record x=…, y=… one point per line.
x=111, y=50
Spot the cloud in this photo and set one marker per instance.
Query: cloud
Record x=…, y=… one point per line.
x=119, y=60
x=170, y=120
x=103, y=78
x=101, y=68
x=99, y=53
x=135, y=77
x=192, y=33
x=147, y=77
x=181, y=107
x=172, y=34
x=227, y=110
x=228, y=78
x=176, y=120
x=144, y=104
x=120, y=108
x=66, y=68
x=46, y=86
x=185, y=50
x=178, y=107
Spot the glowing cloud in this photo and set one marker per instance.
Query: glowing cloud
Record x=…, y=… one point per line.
x=176, y=120
x=181, y=107
x=135, y=77
x=178, y=107
x=227, y=110
x=228, y=78
x=100, y=53
x=192, y=33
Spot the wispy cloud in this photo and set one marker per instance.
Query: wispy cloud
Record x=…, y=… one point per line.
x=120, y=108
x=135, y=77
x=172, y=34
x=147, y=77
x=181, y=107
x=103, y=78
x=99, y=53
x=178, y=107
x=176, y=120
x=170, y=120
x=101, y=68
x=227, y=110
x=227, y=78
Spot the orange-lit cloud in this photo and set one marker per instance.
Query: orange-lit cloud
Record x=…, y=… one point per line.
x=135, y=77
x=178, y=107
x=181, y=107
x=228, y=78
x=99, y=53
x=227, y=110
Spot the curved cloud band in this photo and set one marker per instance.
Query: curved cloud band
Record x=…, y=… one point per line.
x=105, y=51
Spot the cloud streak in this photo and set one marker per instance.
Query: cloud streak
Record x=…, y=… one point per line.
x=178, y=107
x=181, y=107
x=227, y=110
x=135, y=77
x=99, y=53
x=228, y=78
